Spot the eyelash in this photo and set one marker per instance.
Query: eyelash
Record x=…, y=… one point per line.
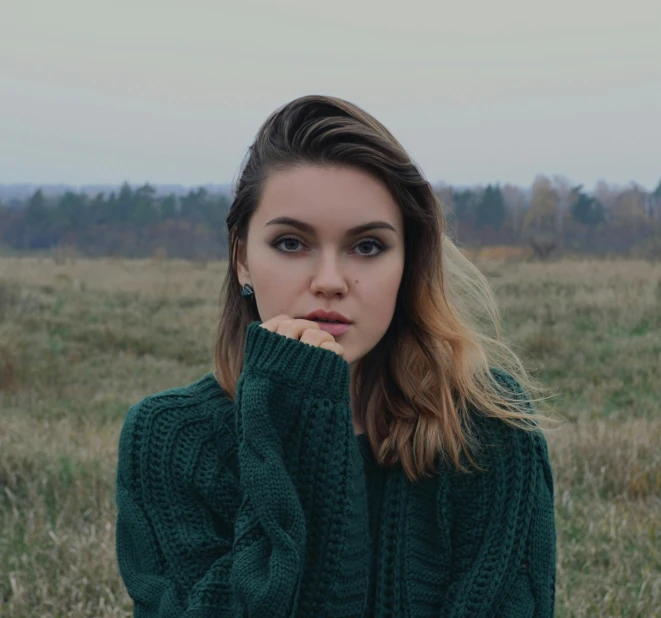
x=382, y=248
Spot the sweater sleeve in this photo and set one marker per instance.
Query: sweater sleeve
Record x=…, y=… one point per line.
x=503, y=528
x=295, y=545
x=302, y=478
x=174, y=553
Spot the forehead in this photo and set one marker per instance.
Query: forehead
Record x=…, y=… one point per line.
x=342, y=196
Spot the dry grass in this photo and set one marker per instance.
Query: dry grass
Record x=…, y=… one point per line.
x=507, y=253
x=82, y=340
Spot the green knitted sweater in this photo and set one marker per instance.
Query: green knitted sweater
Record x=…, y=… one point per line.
x=270, y=506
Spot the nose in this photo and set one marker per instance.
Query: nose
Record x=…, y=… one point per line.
x=328, y=278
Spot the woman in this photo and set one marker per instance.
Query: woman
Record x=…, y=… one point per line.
x=363, y=448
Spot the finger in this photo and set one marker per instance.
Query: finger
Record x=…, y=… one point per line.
x=316, y=337
x=294, y=328
x=333, y=346
x=275, y=322
x=286, y=328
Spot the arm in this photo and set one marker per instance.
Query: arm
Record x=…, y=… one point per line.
x=172, y=559
x=301, y=471
x=503, y=530
x=296, y=543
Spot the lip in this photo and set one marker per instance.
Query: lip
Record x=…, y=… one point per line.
x=334, y=329
x=327, y=315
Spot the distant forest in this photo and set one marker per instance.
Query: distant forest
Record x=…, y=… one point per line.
x=552, y=216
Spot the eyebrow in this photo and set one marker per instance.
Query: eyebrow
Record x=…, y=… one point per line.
x=309, y=229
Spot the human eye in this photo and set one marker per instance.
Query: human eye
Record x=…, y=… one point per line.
x=372, y=243
x=285, y=239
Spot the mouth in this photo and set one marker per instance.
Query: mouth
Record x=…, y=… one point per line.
x=334, y=328
x=327, y=317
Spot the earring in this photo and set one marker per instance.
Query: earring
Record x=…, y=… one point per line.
x=247, y=292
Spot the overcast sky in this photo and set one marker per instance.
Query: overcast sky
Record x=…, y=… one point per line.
x=477, y=91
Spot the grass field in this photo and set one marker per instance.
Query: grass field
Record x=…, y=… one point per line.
x=81, y=341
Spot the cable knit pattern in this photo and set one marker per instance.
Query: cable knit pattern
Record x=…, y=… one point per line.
x=269, y=506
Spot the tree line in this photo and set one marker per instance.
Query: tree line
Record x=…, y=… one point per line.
x=556, y=215
x=131, y=223
x=552, y=215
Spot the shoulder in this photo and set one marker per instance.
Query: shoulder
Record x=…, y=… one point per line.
x=203, y=400
x=497, y=428
x=510, y=386
x=173, y=425
x=502, y=444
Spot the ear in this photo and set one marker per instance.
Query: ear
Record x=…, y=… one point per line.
x=242, y=270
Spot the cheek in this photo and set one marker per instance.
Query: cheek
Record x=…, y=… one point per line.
x=379, y=298
x=279, y=286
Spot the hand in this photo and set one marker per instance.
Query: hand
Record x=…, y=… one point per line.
x=306, y=331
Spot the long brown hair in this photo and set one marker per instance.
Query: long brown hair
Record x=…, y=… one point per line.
x=417, y=388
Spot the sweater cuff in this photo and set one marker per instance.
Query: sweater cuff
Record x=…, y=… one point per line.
x=272, y=353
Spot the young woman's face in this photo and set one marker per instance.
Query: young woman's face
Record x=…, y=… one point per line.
x=326, y=266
